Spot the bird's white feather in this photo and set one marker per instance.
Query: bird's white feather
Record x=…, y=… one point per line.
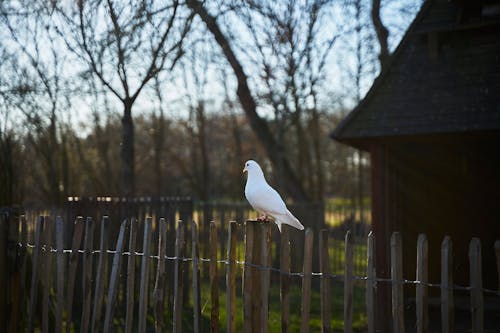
x=265, y=199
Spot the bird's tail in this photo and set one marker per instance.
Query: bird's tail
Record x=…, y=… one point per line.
x=289, y=219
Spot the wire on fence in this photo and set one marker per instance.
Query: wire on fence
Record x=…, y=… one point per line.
x=279, y=271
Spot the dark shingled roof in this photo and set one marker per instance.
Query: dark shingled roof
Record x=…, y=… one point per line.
x=444, y=77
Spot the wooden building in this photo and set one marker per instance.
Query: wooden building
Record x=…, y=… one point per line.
x=431, y=123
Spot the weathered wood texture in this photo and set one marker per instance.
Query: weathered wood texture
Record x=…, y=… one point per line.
x=397, y=283
x=231, y=279
x=306, y=281
x=256, y=287
x=371, y=283
x=348, y=282
x=447, y=304
x=214, y=285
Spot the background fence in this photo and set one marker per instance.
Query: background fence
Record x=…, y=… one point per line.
x=337, y=216
x=132, y=281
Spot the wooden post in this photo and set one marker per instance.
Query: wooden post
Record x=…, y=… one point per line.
x=179, y=251
x=265, y=229
x=285, y=279
x=144, y=293
x=397, y=283
x=447, y=320
x=247, y=278
x=476, y=286
x=421, y=288
x=214, y=286
x=256, y=296
x=113, y=279
x=34, y=275
x=159, y=291
x=306, y=281
x=497, y=253
x=73, y=263
x=231, y=279
x=324, y=263
x=4, y=271
x=14, y=255
x=47, y=267
x=87, y=274
x=348, y=282
x=24, y=263
x=60, y=273
x=100, y=275
x=196, y=277
x=129, y=319
x=371, y=283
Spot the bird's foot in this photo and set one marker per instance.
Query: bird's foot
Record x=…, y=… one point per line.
x=262, y=218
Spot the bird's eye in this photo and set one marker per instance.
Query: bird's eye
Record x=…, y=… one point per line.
x=248, y=164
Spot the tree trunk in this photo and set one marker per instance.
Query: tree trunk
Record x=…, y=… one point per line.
x=158, y=140
x=202, y=141
x=315, y=132
x=258, y=125
x=127, y=152
x=382, y=34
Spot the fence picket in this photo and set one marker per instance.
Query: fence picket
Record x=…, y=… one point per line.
x=4, y=270
x=348, y=281
x=324, y=260
x=265, y=275
x=447, y=320
x=46, y=281
x=60, y=273
x=113, y=280
x=87, y=274
x=476, y=285
x=129, y=317
x=100, y=274
x=256, y=296
x=196, y=277
x=23, y=258
x=179, y=251
x=306, y=281
x=285, y=279
x=371, y=283
x=159, y=289
x=231, y=279
x=247, y=280
x=397, y=283
x=73, y=263
x=497, y=253
x=421, y=287
x=256, y=278
x=143, y=295
x=34, y=275
x=214, y=285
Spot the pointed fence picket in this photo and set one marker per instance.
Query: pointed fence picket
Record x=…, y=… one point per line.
x=103, y=290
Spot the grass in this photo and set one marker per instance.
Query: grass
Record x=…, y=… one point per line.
x=336, y=303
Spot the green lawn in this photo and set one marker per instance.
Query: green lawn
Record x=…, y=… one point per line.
x=336, y=303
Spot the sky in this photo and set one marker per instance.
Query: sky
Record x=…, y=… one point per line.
x=179, y=86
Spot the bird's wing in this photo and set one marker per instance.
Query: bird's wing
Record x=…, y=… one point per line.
x=265, y=199
x=287, y=218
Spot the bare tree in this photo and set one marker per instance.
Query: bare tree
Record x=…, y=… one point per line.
x=195, y=86
x=37, y=93
x=290, y=60
x=126, y=44
x=382, y=33
x=159, y=137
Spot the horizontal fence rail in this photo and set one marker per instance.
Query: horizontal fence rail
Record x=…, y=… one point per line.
x=66, y=286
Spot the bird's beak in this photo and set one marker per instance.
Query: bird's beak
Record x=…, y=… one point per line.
x=245, y=169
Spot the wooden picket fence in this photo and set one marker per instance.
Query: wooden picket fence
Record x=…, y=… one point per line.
x=48, y=303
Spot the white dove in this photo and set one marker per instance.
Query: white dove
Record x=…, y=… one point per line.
x=265, y=199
